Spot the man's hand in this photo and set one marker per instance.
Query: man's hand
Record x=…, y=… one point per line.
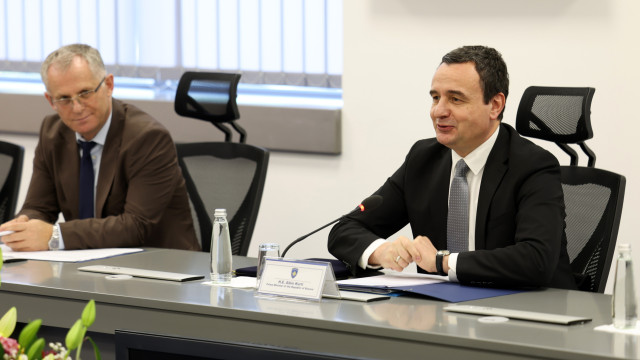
x=29, y=235
x=428, y=262
x=21, y=218
x=398, y=254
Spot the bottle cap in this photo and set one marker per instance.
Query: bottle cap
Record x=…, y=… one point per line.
x=220, y=212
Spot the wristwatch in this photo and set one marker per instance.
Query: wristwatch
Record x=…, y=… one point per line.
x=439, y=258
x=54, y=242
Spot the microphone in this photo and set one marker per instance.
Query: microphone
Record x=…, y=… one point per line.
x=369, y=203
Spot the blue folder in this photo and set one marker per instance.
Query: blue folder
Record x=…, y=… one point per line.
x=447, y=291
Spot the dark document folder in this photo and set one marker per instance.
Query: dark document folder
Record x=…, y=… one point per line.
x=447, y=291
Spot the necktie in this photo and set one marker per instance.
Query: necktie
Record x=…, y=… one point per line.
x=458, y=217
x=86, y=180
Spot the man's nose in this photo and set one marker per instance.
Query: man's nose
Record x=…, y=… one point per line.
x=76, y=104
x=440, y=109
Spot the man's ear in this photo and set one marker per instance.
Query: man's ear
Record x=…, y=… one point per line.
x=49, y=100
x=497, y=103
x=109, y=82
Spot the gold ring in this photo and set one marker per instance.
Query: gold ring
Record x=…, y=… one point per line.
x=397, y=259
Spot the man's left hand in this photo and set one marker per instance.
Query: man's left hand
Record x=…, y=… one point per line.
x=427, y=259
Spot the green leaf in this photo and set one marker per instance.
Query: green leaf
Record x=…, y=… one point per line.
x=96, y=351
x=8, y=322
x=89, y=314
x=74, y=336
x=1, y=261
x=35, y=351
x=28, y=334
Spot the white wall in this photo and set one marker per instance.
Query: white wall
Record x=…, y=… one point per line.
x=391, y=51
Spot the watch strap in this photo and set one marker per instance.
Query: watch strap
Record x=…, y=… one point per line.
x=439, y=259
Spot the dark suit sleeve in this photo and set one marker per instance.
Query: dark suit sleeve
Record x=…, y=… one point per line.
x=41, y=201
x=351, y=236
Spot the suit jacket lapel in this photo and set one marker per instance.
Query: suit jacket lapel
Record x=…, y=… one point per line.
x=494, y=171
x=441, y=200
x=110, y=153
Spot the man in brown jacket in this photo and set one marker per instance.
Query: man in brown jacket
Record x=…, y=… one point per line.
x=138, y=197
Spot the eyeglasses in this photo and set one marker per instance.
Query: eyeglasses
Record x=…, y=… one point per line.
x=82, y=98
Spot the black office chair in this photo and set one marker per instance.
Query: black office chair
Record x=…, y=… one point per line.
x=593, y=197
x=224, y=175
x=11, y=158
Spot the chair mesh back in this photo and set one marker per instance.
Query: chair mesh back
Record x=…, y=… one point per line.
x=224, y=175
x=560, y=113
x=207, y=96
x=585, y=206
x=231, y=179
x=593, y=205
x=556, y=114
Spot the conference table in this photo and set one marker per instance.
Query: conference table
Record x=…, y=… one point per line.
x=403, y=327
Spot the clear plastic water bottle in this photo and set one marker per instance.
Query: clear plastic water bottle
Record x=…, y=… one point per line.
x=221, y=268
x=624, y=295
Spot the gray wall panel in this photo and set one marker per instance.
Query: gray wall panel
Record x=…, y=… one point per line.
x=276, y=128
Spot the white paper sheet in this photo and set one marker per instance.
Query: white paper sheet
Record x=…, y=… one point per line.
x=65, y=255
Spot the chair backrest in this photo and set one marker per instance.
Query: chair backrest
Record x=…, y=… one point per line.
x=229, y=176
x=593, y=197
x=11, y=159
x=593, y=203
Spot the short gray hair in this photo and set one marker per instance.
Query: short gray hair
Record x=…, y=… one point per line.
x=63, y=57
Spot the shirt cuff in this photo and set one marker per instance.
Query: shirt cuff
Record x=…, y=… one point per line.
x=60, y=235
x=453, y=262
x=364, y=259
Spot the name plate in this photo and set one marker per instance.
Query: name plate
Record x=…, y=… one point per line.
x=298, y=279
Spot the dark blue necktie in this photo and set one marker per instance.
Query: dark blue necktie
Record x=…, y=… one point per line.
x=86, y=180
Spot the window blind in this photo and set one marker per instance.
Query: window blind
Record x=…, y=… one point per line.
x=281, y=42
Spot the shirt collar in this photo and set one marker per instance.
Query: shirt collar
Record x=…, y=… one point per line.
x=101, y=137
x=478, y=157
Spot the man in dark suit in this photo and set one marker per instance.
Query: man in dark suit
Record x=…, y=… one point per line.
x=137, y=195
x=514, y=224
